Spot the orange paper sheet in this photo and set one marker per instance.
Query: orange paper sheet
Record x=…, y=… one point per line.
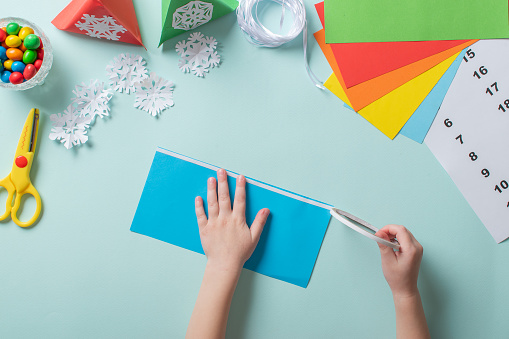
x=365, y=93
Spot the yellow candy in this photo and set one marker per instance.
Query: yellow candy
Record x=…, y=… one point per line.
x=8, y=64
x=13, y=41
x=24, y=32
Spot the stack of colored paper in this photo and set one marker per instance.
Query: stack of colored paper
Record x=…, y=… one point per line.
x=394, y=61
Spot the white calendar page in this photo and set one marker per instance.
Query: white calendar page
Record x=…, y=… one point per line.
x=470, y=134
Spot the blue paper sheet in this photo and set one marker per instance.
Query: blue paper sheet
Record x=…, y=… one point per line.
x=290, y=241
x=418, y=125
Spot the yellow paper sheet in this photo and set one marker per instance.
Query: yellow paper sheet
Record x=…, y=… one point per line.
x=391, y=112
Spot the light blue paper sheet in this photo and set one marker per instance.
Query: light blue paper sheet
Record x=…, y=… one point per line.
x=420, y=122
x=290, y=241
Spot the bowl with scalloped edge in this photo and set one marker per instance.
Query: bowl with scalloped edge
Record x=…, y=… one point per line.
x=47, y=62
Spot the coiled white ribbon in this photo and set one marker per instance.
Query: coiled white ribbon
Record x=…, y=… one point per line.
x=259, y=35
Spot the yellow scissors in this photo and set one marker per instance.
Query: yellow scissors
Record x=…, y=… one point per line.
x=18, y=181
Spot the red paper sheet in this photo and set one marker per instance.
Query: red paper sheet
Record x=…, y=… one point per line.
x=122, y=11
x=360, y=62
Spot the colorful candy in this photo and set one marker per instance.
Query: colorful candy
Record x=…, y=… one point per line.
x=21, y=53
x=32, y=41
x=5, y=76
x=8, y=64
x=14, y=54
x=29, y=72
x=13, y=41
x=18, y=66
x=38, y=64
x=16, y=78
x=29, y=56
x=12, y=28
x=24, y=32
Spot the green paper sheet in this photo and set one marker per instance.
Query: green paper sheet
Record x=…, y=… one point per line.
x=191, y=14
x=349, y=21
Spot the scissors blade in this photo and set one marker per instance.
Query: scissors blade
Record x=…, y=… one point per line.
x=28, y=138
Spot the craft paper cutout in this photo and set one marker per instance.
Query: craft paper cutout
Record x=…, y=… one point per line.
x=360, y=62
x=363, y=94
x=92, y=100
x=180, y=16
x=126, y=71
x=70, y=127
x=289, y=243
x=390, y=113
x=197, y=54
x=418, y=125
x=414, y=20
x=192, y=15
x=154, y=94
x=105, y=19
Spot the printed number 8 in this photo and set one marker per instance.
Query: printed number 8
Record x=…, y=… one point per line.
x=473, y=156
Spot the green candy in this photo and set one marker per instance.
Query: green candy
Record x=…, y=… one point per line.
x=29, y=56
x=12, y=28
x=32, y=41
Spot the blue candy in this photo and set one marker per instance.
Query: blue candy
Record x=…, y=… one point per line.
x=18, y=66
x=3, y=56
x=5, y=76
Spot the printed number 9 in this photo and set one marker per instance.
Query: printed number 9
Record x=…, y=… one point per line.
x=485, y=172
x=447, y=123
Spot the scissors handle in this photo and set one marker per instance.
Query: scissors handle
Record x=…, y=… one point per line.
x=7, y=184
x=17, y=202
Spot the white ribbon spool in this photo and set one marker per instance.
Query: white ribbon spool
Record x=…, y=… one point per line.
x=259, y=35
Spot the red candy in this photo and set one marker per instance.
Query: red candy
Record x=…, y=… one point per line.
x=38, y=63
x=16, y=78
x=3, y=35
x=29, y=72
x=40, y=53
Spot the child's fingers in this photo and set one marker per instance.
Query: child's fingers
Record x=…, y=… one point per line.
x=405, y=238
x=239, y=204
x=259, y=223
x=212, y=198
x=223, y=193
x=201, y=217
x=386, y=252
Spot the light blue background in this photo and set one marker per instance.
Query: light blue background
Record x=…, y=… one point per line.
x=80, y=273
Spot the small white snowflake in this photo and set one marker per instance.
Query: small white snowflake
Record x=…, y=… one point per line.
x=92, y=100
x=197, y=54
x=125, y=71
x=154, y=94
x=105, y=27
x=69, y=127
x=192, y=15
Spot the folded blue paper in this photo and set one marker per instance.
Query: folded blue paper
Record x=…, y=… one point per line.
x=290, y=241
x=420, y=122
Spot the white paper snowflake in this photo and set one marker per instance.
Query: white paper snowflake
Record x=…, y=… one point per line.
x=154, y=94
x=69, y=127
x=197, y=54
x=92, y=100
x=105, y=27
x=125, y=71
x=192, y=15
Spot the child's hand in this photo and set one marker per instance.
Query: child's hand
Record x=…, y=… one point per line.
x=225, y=236
x=400, y=268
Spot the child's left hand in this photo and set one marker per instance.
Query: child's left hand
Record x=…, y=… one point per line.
x=225, y=236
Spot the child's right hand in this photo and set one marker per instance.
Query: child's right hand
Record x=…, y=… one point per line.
x=401, y=268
